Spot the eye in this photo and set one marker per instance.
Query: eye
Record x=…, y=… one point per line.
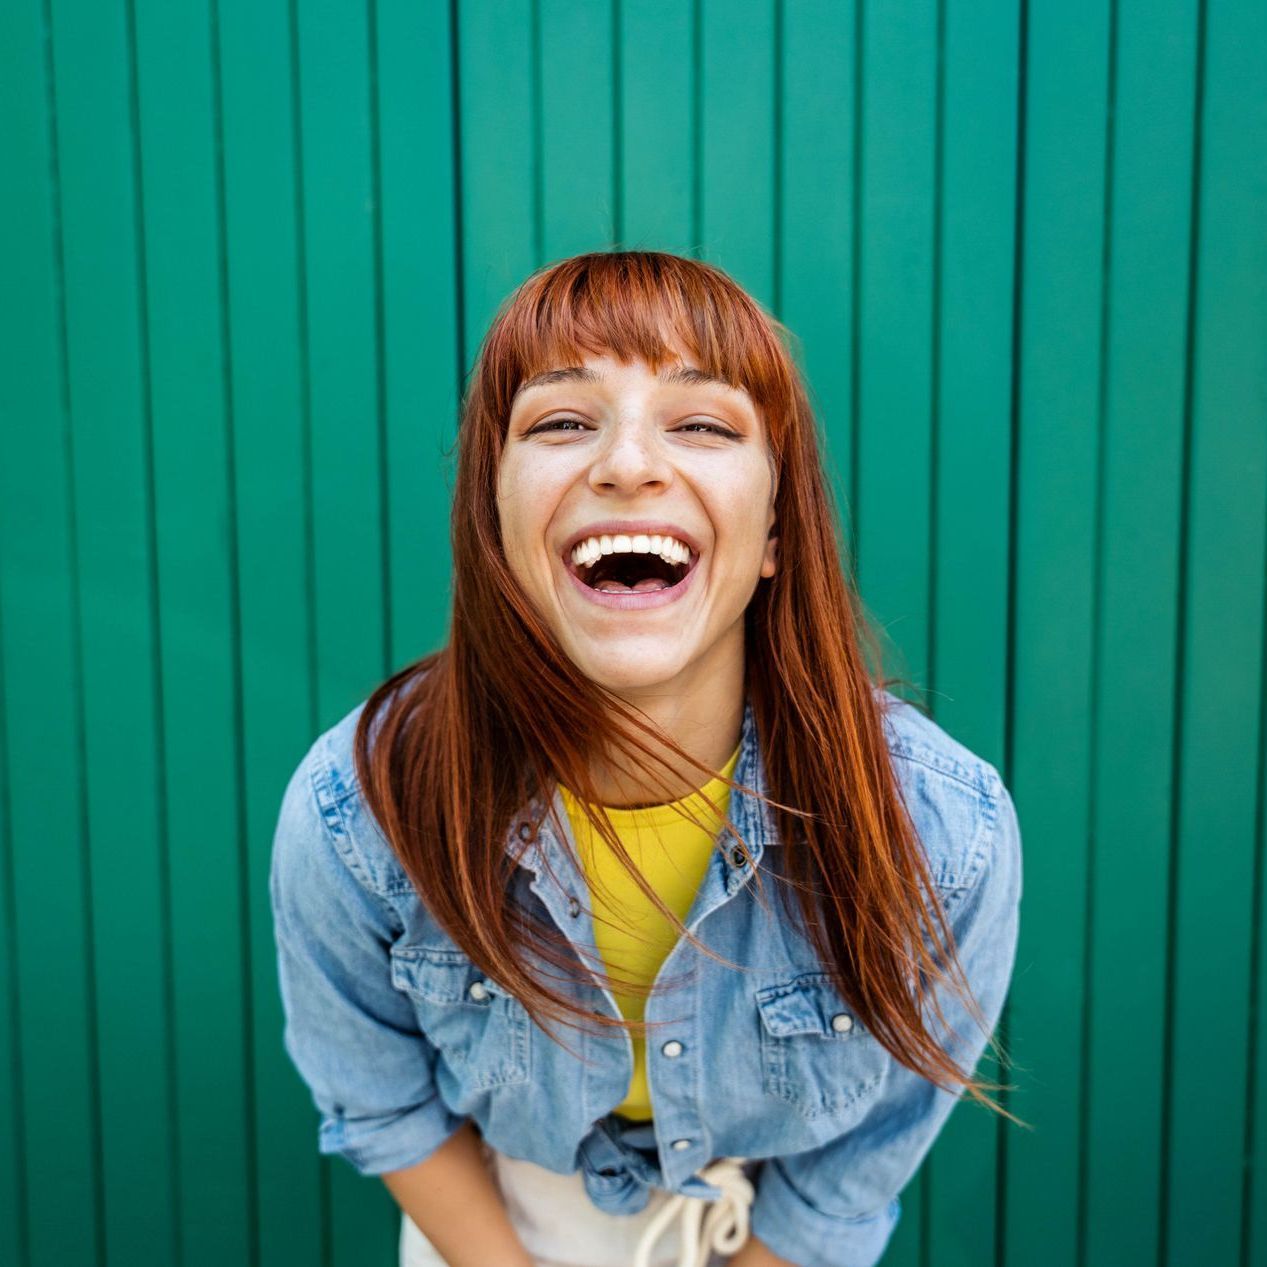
x=559, y=424
x=554, y=423
x=709, y=426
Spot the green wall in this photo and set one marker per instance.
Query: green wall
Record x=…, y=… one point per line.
x=248, y=253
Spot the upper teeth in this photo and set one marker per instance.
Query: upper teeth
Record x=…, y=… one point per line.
x=591, y=549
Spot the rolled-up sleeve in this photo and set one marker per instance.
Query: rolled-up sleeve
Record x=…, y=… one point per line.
x=352, y=1036
x=837, y=1205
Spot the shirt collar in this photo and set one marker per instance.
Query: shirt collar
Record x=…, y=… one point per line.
x=754, y=818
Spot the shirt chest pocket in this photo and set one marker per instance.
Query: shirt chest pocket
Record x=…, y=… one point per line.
x=480, y=1030
x=815, y=1054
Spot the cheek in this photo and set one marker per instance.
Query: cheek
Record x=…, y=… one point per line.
x=510, y=511
x=741, y=509
x=526, y=498
x=528, y=481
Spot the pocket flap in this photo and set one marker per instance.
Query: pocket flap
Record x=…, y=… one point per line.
x=808, y=1004
x=438, y=975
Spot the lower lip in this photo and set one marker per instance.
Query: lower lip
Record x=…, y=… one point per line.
x=634, y=601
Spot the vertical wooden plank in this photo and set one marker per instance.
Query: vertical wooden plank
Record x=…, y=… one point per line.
x=198, y=651
x=114, y=544
x=656, y=132
x=816, y=225
x=500, y=168
x=271, y=468
x=971, y=505
x=1058, y=463
x=1254, y=1249
x=1225, y=561
x=895, y=288
x=575, y=71
x=349, y=569
x=974, y=323
x=1149, y=205
x=895, y=322
x=48, y=1136
x=335, y=103
x=15, y=1234
x=421, y=369
x=270, y=487
x=738, y=122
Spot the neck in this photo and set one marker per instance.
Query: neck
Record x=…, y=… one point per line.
x=704, y=718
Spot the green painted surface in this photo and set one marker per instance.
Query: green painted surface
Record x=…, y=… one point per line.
x=250, y=250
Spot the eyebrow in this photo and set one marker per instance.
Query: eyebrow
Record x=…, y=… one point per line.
x=675, y=376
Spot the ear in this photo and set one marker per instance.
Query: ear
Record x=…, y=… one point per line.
x=769, y=562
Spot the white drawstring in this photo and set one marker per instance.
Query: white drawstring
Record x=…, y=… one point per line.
x=724, y=1228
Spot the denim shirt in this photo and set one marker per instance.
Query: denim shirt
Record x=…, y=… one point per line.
x=400, y=1038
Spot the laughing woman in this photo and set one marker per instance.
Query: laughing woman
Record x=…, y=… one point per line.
x=641, y=924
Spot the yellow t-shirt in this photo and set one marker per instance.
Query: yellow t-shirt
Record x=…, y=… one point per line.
x=672, y=854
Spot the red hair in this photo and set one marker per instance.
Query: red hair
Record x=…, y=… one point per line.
x=468, y=735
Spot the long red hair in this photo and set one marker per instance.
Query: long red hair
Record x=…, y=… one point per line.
x=452, y=746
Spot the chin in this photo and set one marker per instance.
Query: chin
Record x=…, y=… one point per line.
x=636, y=674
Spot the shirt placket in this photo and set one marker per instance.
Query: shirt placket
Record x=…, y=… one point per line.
x=676, y=1062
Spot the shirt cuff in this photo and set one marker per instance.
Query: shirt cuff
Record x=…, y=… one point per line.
x=793, y=1229
x=376, y=1145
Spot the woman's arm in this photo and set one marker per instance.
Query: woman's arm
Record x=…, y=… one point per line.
x=454, y=1200
x=755, y=1254
x=354, y=1037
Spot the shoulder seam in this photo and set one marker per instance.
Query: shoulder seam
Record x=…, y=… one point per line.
x=948, y=766
x=330, y=806
x=986, y=852
x=983, y=846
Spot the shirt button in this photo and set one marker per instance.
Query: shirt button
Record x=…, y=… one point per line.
x=672, y=1048
x=574, y=907
x=737, y=858
x=478, y=990
x=681, y=1145
x=525, y=831
x=841, y=1022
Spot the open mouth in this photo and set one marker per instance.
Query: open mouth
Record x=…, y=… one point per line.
x=631, y=568
x=632, y=572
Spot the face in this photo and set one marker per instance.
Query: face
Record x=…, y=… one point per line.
x=613, y=456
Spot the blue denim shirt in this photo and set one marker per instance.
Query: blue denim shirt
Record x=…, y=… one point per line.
x=399, y=1037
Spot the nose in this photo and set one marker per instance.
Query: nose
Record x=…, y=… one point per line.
x=630, y=457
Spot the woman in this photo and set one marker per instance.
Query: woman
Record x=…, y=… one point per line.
x=638, y=925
